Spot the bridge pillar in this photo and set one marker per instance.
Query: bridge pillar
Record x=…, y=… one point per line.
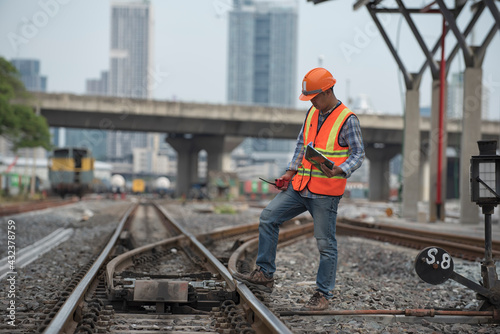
x=471, y=133
x=380, y=156
x=187, y=163
x=411, y=155
x=218, y=150
x=437, y=205
x=424, y=173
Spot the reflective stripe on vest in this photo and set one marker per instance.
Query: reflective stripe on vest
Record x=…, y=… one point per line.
x=326, y=142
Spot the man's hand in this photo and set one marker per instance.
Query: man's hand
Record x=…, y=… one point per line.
x=286, y=177
x=336, y=170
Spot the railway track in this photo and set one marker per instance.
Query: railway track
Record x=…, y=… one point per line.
x=63, y=320
x=183, y=282
x=11, y=209
x=465, y=247
x=123, y=301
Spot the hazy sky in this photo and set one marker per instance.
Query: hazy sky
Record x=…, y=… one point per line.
x=71, y=39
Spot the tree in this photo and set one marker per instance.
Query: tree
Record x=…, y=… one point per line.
x=18, y=122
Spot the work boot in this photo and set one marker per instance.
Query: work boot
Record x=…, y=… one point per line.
x=317, y=302
x=256, y=279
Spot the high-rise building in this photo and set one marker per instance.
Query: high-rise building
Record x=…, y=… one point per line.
x=456, y=98
x=93, y=139
x=130, y=59
x=131, y=45
x=262, y=53
x=120, y=144
x=99, y=86
x=29, y=69
x=262, y=63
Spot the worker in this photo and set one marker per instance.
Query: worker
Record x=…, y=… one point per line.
x=333, y=130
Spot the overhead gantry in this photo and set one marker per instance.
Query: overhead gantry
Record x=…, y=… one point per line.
x=473, y=56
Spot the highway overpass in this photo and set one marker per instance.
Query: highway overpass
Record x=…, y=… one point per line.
x=113, y=113
x=220, y=128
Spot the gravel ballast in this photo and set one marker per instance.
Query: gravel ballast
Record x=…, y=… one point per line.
x=370, y=276
x=39, y=285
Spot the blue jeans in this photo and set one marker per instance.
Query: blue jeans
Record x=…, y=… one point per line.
x=285, y=206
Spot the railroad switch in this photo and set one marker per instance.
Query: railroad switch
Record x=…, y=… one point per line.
x=210, y=284
x=434, y=265
x=171, y=295
x=161, y=291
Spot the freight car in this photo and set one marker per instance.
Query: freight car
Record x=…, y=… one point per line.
x=138, y=186
x=162, y=187
x=257, y=189
x=71, y=171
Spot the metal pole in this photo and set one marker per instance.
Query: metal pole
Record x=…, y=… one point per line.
x=442, y=78
x=488, y=255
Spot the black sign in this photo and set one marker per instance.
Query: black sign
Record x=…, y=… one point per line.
x=434, y=265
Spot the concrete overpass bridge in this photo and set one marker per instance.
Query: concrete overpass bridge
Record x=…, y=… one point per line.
x=218, y=129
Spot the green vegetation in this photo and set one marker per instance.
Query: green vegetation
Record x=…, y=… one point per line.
x=19, y=123
x=225, y=209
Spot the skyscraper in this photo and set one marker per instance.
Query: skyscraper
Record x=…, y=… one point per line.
x=130, y=59
x=29, y=69
x=456, y=97
x=262, y=62
x=130, y=54
x=262, y=57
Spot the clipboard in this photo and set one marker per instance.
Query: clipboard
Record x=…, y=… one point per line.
x=316, y=158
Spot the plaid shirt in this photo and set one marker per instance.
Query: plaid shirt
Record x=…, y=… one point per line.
x=349, y=135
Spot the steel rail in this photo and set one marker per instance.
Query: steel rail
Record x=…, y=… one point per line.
x=440, y=315
x=378, y=232
x=272, y=323
x=267, y=317
x=470, y=240
x=201, y=248
x=125, y=260
x=60, y=321
x=406, y=312
x=411, y=237
x=11, y=209
x=456, y=249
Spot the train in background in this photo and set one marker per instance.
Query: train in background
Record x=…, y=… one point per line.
x=160, y=186
x=71, y=171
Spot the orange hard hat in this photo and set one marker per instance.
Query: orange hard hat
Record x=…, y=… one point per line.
x=316, y=81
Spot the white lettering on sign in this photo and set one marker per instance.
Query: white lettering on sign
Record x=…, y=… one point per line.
x=445, y=262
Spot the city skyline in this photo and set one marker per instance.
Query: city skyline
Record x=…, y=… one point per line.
x=190, y=61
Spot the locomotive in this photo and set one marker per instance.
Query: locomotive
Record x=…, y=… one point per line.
x=71, y=171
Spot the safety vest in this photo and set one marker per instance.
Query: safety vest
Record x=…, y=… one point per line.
x=325, y=141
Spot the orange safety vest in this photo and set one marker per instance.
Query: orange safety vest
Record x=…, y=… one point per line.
x=326, y=141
